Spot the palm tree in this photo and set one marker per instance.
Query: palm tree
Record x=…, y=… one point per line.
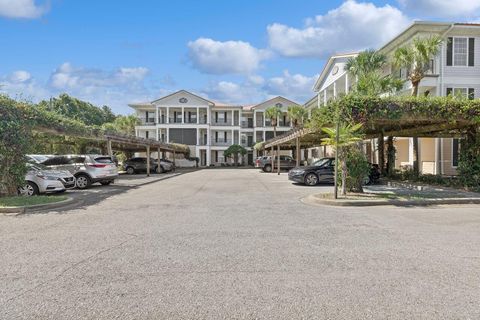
x=273, y=113
x=235, y=150
x=416, y=58
x=367, y=68
x=298, y=115
x=348, y=134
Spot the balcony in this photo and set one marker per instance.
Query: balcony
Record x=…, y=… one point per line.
x=222, y=142
x=247, y=124
x=247, y=143
x=147, y=122
x=222, y=123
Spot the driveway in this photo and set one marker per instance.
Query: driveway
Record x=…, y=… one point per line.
x=223, y=244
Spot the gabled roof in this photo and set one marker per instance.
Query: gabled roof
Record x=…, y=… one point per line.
x=327, y=66
x=266, y=102
x=186, y=92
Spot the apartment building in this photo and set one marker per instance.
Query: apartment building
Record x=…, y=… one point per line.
x=455, y=70
x=209, y=127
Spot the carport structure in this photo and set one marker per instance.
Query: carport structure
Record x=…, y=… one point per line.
x=426, y=117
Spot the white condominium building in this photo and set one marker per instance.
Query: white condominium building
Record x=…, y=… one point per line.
x=209, y=127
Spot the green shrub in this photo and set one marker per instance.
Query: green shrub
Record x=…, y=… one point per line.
x=358, y=169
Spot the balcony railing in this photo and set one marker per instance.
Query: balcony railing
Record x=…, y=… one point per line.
x=147, y=122
x=221, y=142
x=222, y=123
x=246, y=124
x=246, y=143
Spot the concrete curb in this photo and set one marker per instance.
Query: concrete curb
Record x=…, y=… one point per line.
x=315, y=200
x=14, y=211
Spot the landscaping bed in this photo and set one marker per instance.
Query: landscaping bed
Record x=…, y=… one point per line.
x=19, y=201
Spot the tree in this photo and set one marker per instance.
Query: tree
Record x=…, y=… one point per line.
x=123, y=124
x=235, y=150
x=273, y=113
x=416, y=58
x=76, y=109
x=348, y=135
x=368, y=68
x=298, y=115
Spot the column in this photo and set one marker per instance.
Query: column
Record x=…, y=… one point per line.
x=148, y=161
x=318, y=99
x=209, y=116
x=168, y=135
x=183, y=115
x=158, y=138
x=209, y=139
x=263, y=135
x=198, y=115
x=335, y=90
x=233, y=137
x=410, y=151
x=156, y=116
x=263, y=119
x=254, y=119
x=325, y=97
x=168, y=115
x=198, y=135
x=209, y=156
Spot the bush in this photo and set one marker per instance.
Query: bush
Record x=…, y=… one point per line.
x=358, y=169
x=15, y=142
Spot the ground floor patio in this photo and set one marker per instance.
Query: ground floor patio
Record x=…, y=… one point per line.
x=237, y=243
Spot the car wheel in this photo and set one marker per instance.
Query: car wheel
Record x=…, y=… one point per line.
x=105, y=183
x=267, y=168
x=130, y=170
x=83, y=181
x=160, y=169
x=28, y=190
x=311, y=179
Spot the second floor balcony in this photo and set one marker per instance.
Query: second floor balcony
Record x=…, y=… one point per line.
x=221, y=122
x=221, y=142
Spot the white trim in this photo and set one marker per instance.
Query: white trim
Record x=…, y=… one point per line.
x=453, y=52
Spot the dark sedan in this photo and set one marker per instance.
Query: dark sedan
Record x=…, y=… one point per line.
x=323, y=171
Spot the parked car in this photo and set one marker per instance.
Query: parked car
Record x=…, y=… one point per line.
x=38, y=158
x=323, y=171
x=139, y=164
x=87, y=169
x=40, y=179
x=265, y=163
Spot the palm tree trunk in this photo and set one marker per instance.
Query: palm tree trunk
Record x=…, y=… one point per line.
x=298, y=152
x=381, y=153
x=390, y=156
x=278, y=159
x=273, y=158
x=344, y=177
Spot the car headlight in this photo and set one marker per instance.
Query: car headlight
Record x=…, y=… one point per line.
x=46, y=177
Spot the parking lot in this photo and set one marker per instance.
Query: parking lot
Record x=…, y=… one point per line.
x=237, y=243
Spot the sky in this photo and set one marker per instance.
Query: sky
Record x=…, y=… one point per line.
x=243, y=52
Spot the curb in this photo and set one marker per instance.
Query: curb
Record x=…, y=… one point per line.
x=15, y=211
x=315, y=200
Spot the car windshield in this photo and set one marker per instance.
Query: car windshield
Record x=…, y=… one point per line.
x=321, y=162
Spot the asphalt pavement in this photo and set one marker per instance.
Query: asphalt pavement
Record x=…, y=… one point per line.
x=237, y=244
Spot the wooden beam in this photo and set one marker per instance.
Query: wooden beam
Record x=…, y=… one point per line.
x=148, y=161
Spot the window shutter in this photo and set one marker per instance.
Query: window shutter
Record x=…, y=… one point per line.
x=216, y=116
x=449, y=51
x=225, y=118
x=471, y=93
x=225, y=136
x=146, y=116
x=449, y=91
x=216, y=136
x=471, y=52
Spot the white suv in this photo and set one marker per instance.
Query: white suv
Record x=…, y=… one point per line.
x=40, y=179
x=87, y=169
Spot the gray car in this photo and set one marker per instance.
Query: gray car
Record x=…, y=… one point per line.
x=40, y=179
x=265, y=163
x=139, y=164
x=87, y=169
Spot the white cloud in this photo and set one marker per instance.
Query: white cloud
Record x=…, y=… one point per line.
x=293, y=86
x=352, y=26
x=443, y=8
x=255, y=89
x=20, y=85
x=229, y=57
x=22, y=9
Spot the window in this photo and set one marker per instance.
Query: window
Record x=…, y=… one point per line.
x=455, y=145
x=460, y=51
x=460, y=92
x=146, y=134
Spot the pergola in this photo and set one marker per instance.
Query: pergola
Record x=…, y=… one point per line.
x=399, y=117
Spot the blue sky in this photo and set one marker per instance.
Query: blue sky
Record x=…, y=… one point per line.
x=237, y=51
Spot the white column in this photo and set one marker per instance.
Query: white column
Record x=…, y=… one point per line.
x=198, y=137
x=325, y=97
x=346, y=83
x=168, y=115
x=233, y=136
x=209, y=115
x=263, y=120
x=410, y=151
x=263, y=135
x=209, y=139
x=167, y=138
x=198, y=115
x=136, y=132
x=156, y=117
x=318, y=99
x=254, y=119
x=157, y=134
x=183, y=115
x=233, y=118
x=334, y=90
x=209, y=156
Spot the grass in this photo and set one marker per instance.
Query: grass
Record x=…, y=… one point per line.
x=381, y=196
x=19, y=201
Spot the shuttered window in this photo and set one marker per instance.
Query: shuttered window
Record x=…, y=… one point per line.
x=450, y=51
x=471, y=52
x=471, y=93
x=460, y=51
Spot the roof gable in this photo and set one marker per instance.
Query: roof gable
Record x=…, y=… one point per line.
x=182, y=98
x=284, y=103
x=328, y=76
